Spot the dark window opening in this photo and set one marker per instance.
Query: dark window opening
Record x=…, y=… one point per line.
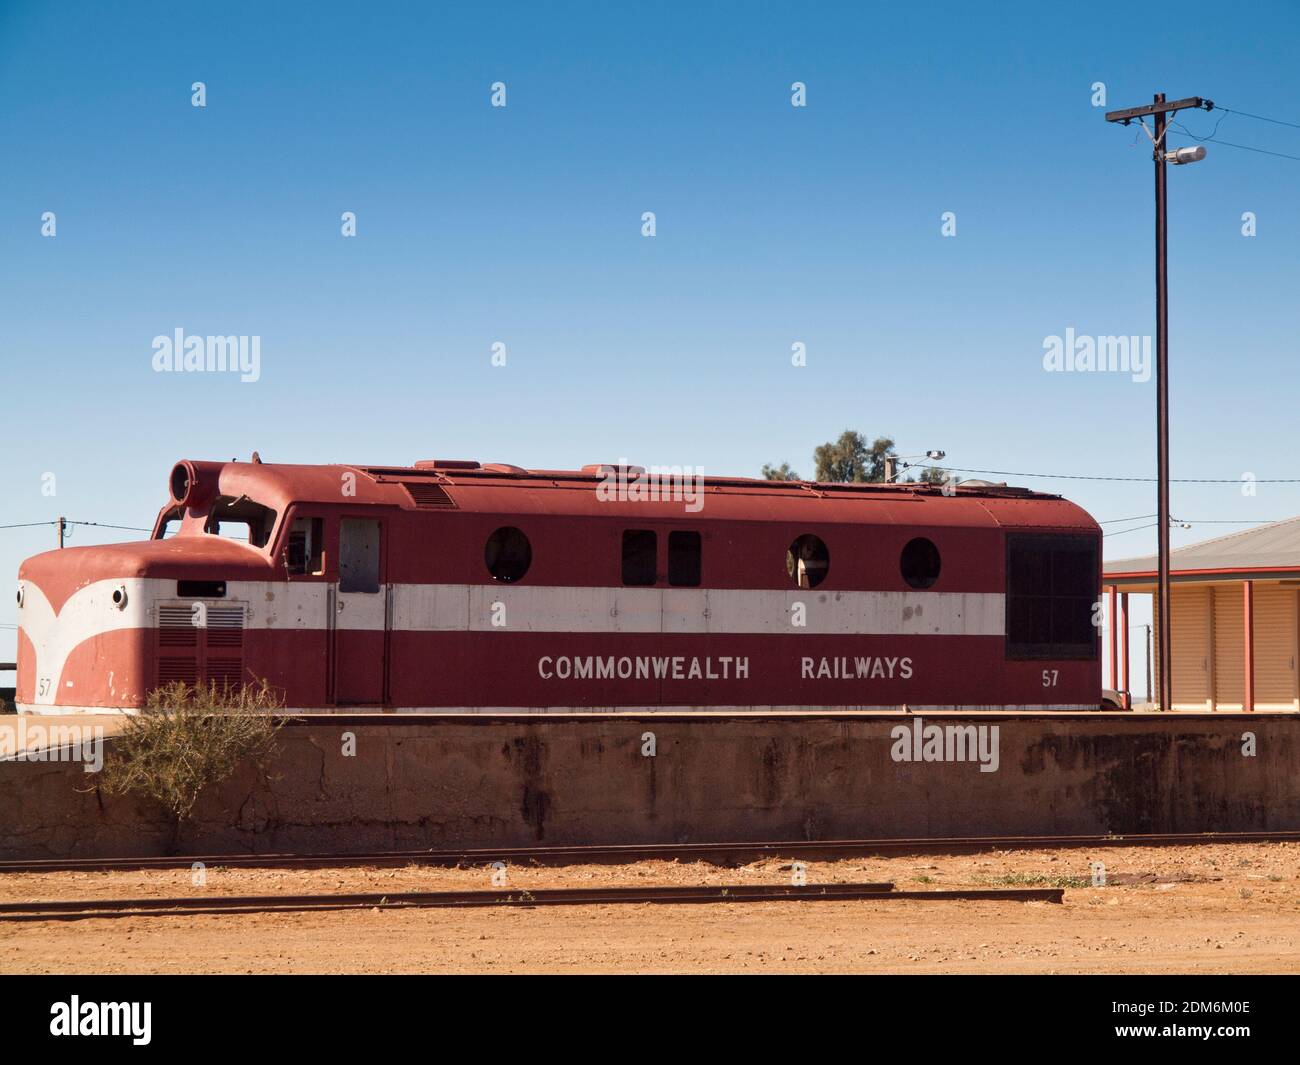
x=1052, y=585
x=358, y=555
x=241, y=519
x=640, y=547
x=807, y=561
x=920, y=563
x=306, y=548
x=201, y=589
x=508, y=554
x=684, y=559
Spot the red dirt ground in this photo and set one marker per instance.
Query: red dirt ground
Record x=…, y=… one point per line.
x=1225, y=908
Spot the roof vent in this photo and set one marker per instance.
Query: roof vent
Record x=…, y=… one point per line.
x=504, y=467
x=604, y=469
x=446, y=464
x=427, y=494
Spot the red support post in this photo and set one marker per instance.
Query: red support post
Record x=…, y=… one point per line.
x=1127, y=695
x=1248, y=602
x=1114, y=633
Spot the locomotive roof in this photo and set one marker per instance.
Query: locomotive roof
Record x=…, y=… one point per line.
x=498, y=488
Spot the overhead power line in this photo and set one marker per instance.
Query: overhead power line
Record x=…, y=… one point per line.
x=1261, y=118
x=1181, y=522
x=1139, y=528
x=1212, y=136
x=1192, y=521
x=97, y=524
x=1097, y=477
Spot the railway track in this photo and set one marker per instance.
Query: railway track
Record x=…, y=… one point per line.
x=716, y=853
x=85, y=909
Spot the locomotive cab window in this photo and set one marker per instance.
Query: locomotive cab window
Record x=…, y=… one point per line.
x=807, y=561
x=684, y=559
x=640, y=547
x=1052, y=584
x=305, y=553
x=241, y=519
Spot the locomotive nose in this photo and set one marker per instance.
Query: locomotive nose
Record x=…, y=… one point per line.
x=87, y=617
x=79, y=609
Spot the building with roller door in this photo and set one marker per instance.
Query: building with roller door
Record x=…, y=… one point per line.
x=1234, y=603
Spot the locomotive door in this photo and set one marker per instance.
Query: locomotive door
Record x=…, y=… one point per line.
x=360, y=615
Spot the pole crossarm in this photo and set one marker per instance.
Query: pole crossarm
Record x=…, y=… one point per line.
x=1129, y=113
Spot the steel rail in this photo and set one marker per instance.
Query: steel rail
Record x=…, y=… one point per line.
x=717, y=853
x=85, y=909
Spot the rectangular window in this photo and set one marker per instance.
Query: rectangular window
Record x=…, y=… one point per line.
x=1052, y=586
x=684, y=559
x=306, y=546
x=639, y=549
x=241, y=519
x=201, y=589
x=358, y=555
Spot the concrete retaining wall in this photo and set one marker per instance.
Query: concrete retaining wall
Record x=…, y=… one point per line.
x=489, y=781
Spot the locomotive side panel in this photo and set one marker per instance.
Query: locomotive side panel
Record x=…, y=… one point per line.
x=528, y=592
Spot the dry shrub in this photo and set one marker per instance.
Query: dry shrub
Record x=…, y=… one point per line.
x=188, y=738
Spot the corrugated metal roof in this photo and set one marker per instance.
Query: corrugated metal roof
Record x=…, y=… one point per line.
x=1270, y=547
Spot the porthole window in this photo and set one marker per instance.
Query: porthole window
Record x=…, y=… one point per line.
x=508, y=554
x=920, y=563
x=807, y=562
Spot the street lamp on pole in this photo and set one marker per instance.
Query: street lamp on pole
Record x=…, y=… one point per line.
x=1160, y=110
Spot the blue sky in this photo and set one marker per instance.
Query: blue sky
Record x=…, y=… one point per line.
x=522, y=225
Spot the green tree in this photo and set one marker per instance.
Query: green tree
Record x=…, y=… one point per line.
x=933, y=475
x=851, y=458
x=780, y=473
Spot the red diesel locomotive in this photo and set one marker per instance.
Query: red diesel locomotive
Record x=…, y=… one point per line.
x=460, y=587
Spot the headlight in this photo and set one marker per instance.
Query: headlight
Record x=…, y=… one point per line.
x=119, y=597
x=21, y=594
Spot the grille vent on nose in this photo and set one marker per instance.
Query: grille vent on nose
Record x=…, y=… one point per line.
x=175, y=629
x=212, y=652
x=225, y=626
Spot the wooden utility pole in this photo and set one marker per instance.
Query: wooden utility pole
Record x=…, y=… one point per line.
x=1160, y=110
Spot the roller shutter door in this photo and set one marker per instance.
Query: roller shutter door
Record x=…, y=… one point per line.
x=1229, y=647
x=1190, y=611
x=1275, y=647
